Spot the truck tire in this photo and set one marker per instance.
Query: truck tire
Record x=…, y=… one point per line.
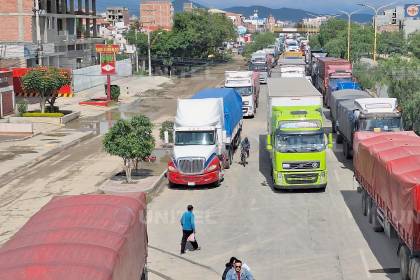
x=144, y=275
x=346, y=149
x=339, y=138
x=404, y=255
x=369, y=209
x=228, y=161
x=333, y=127
x=414, y=272
x=364, y=203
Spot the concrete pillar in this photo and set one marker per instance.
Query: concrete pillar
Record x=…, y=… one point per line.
x=95, y=31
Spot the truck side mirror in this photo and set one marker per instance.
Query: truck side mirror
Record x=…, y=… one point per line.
x=330, y=141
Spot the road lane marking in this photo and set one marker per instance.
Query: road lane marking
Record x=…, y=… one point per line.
x=365, y=264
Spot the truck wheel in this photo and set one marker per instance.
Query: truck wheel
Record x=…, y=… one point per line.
x=404, y=255
x=369, y=209
x=144, y=275
x=364, y=203
x=333, y=127
x=346, y=149
x=339, y=138
x=414, y=267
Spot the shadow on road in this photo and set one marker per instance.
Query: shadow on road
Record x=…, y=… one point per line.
x=266, y=171
x=384, y=249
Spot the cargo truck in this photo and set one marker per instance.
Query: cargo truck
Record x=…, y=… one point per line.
x=89, y=237
x=263, y=69
x=387, y=169
x=341, y=95
x=338, y=84
x=207, y=131
x=330, y=68
x=292, y=67
x=247, y=83
x=296, y=137
x=365, y=114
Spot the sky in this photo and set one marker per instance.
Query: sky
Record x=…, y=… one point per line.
x=318, y=6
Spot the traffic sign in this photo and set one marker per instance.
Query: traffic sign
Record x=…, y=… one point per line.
x=108, y=68
x=102, y=48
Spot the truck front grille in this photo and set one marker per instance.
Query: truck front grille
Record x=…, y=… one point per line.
x=191, y=165
x=302, y=165
x=301, y=178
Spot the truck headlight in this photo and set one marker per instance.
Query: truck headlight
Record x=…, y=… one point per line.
x=246, y=102
x=286, y=166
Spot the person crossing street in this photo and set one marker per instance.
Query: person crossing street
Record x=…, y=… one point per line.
x=188, y=228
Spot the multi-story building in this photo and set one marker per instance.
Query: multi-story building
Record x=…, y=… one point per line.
x=118, y=14
x=237, y=19
x=188, y=7
x=63, y=34
x=401, y=18
x=314, y=22
x=156, y=14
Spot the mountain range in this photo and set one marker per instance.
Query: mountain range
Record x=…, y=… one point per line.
x=284, y=14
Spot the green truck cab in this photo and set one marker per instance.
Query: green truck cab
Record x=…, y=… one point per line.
x=296, y=136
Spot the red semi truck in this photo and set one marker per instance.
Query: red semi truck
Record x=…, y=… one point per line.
x=330, y=68
x=89, y=237
x=387, y=168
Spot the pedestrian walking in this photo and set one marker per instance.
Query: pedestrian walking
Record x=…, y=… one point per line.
x=188, y=228
x=238, y=272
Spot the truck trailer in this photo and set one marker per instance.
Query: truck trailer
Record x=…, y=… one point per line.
x=365, y=114
x=341, y=95
x=296, y=137
x=89, y=237
x=292, y=67
x=330, y=68
x=207, y=131
x=387, y=169
x=247, y=83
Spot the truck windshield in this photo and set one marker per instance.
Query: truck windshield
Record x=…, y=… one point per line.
x=300, y=143
x=183, y=138
x=384, y=124
x=244, y=91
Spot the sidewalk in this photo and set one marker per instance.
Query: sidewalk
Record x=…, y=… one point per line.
x=17, y=156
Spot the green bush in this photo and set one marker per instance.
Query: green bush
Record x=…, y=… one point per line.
x=22, y=106
x=43, y=115
x=167, y=126
x=115, y=92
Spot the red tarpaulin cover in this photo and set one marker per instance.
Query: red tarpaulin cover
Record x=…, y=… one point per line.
x=86, y=237
x=388, y=166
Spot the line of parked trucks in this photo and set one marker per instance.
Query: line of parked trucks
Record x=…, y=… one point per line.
x=386, y=159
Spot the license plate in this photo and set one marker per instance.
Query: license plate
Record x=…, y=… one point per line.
x=191, y=184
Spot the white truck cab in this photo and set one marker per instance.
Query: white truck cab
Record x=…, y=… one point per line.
x=243, y=82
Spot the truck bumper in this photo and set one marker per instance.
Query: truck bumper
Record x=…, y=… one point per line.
x=194, y=180
x=300, y=180
x=247, y=111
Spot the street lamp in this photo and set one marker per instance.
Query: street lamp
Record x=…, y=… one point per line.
x=376, y=11
x=348, y=30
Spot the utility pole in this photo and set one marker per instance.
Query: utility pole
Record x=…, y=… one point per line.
x=149, y=52
x=38, y=32
x=349, y=30
x=137, y=54
x=376, y=11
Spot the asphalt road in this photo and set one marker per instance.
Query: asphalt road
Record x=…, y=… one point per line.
x=280, y=235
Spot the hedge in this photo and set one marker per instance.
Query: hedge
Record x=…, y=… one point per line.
x=43, y=115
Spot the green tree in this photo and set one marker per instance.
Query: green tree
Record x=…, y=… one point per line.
x=132, y=141
x=259, y=41
x=169, y=127
x=45, y=82
x=392, y=43
x=414, y=44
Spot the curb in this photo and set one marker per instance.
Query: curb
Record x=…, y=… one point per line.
x=13, y=174
x=157, y=185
